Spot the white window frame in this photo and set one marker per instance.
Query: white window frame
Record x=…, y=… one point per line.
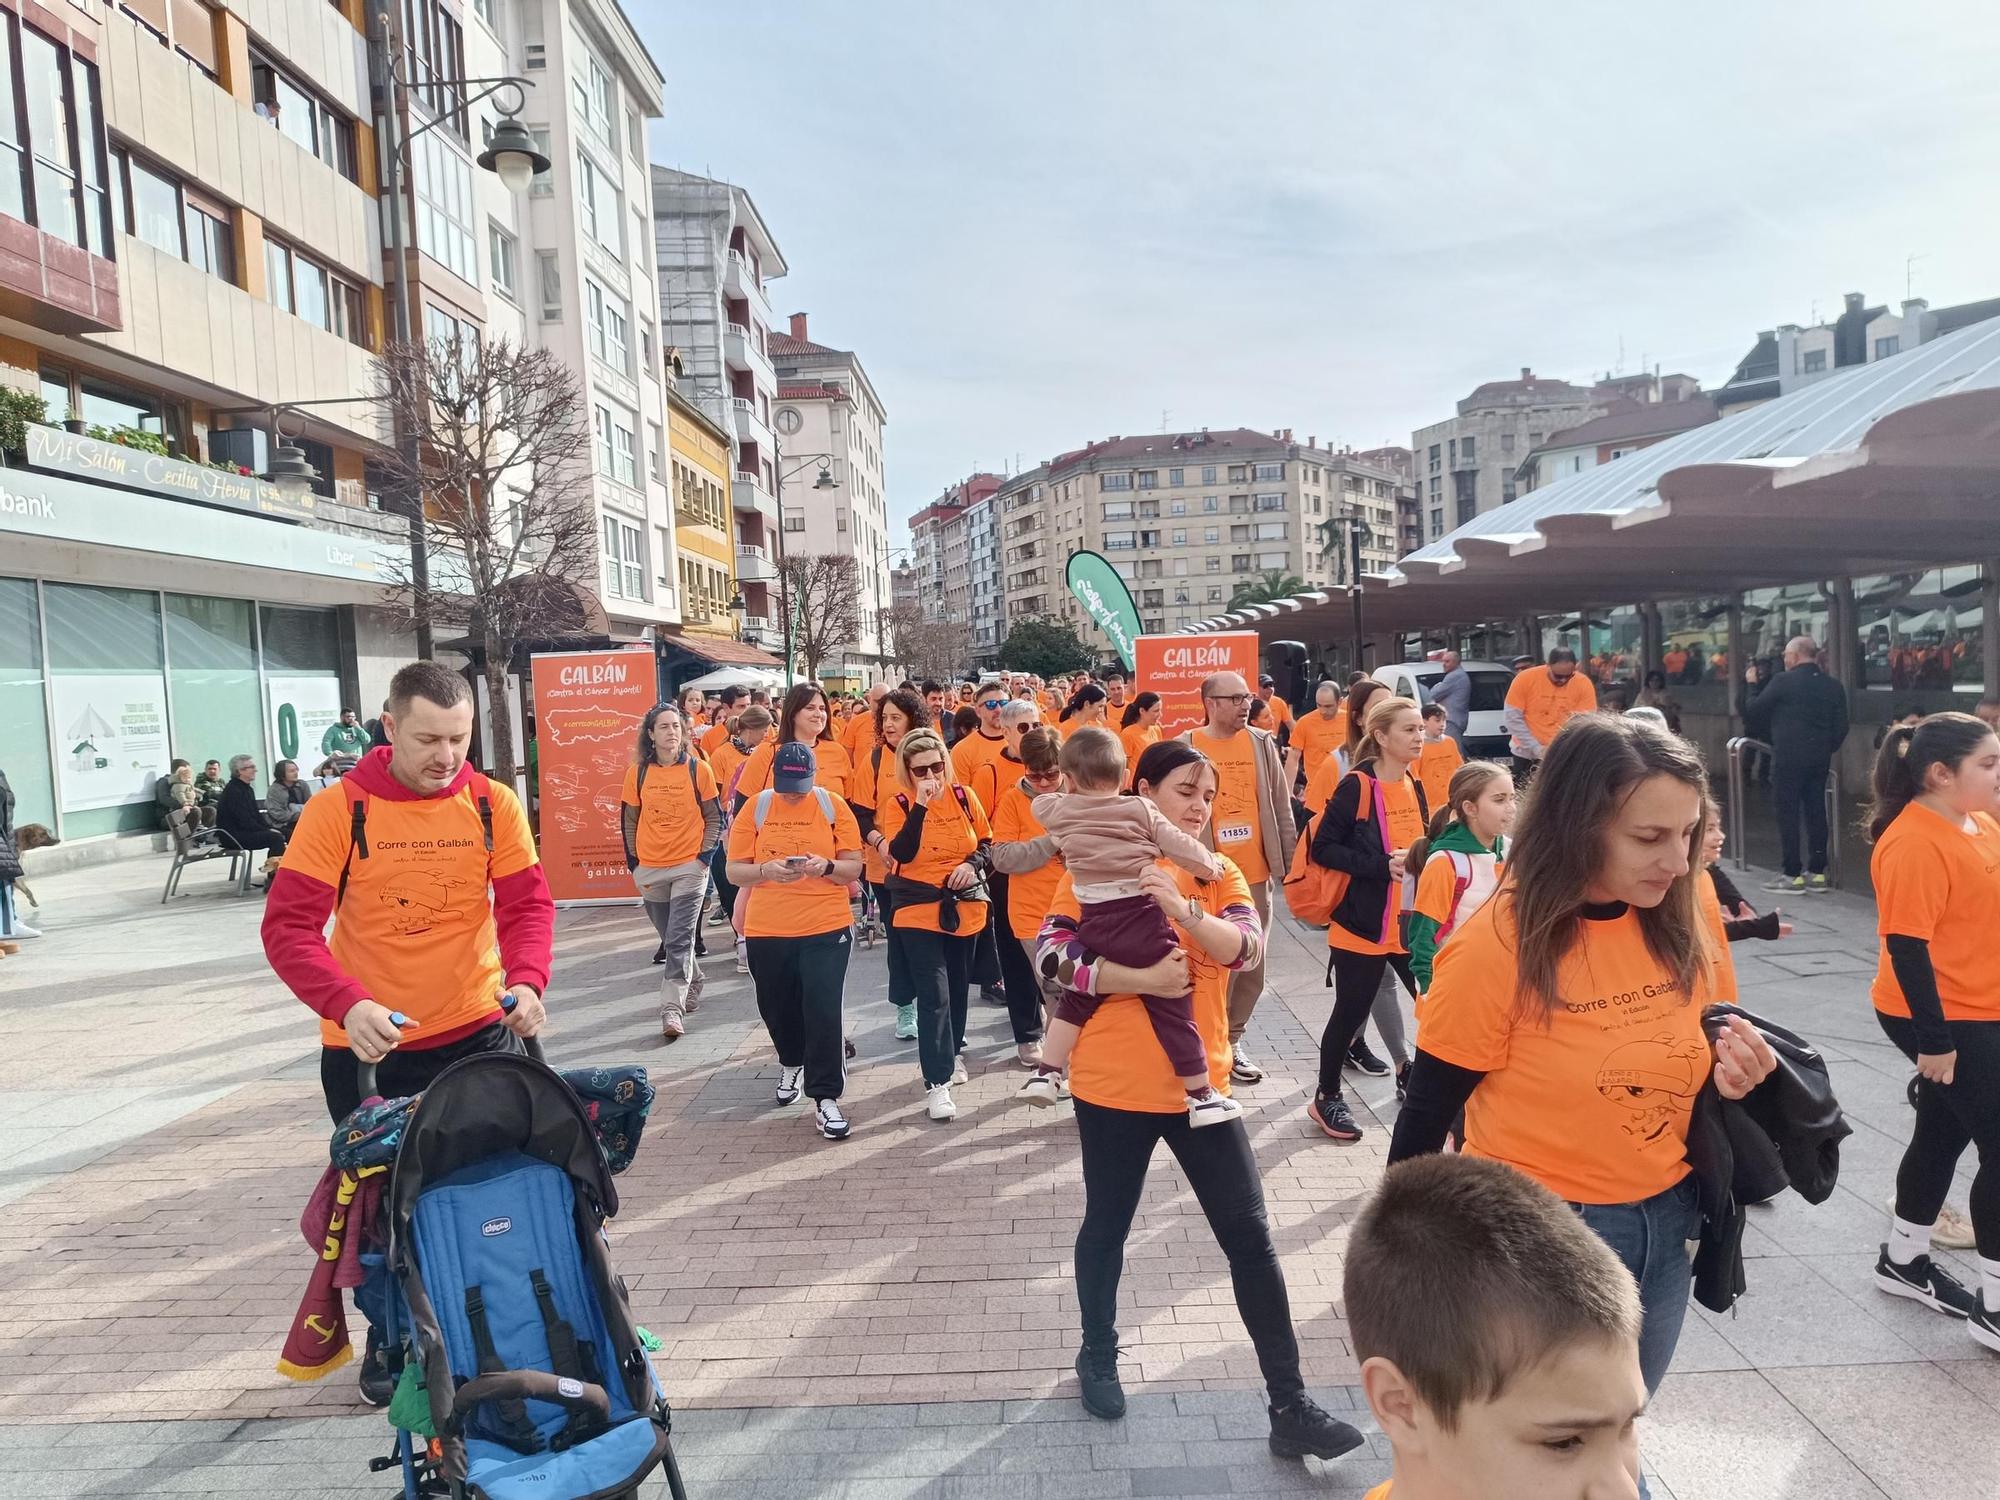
x=503, y=255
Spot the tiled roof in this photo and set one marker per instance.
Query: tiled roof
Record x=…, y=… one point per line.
x=783, y=345
x=1536, y=387
x=725, y=653
x=815, y=392
x=1169, y=447
x=1635, y=419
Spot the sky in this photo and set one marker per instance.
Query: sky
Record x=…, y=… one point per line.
x=1040, y=224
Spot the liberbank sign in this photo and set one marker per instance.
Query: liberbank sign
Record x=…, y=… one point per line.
x=50, y=507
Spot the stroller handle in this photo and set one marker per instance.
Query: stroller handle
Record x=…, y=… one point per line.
x=365, y=1071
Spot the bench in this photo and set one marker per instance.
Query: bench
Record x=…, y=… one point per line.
x=199, y=847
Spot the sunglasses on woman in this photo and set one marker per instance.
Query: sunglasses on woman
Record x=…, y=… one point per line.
x=928, y=769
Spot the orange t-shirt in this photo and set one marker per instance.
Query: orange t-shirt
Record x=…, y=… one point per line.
x=1380, y=1492
x=670, y=824
x=866, y=788
x=1396, y=802
x=1137, y=740
x=1118, y=1061
x=1439, y=758
x=952, y=834
x=716, y=736
x=1238, y=824
x=831, y=768
x=1939, y=883
x=723, y=760
x=972, y=752
x=1722, y=976
x=799, y=908
x=1281, y=711
x=1321, y=781
x=1030, y=895
x=416, y=925
x=992, y=775
x=1315, y=737
x=1546, y=706
x=1593, y=1104
x=857, y=735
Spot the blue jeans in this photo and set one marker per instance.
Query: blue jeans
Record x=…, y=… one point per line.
x=1651, y=1237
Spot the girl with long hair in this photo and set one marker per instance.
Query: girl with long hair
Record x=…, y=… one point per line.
x=671, y=820
x=1377, y=812
x=1565, y=1016
x=896, y=715
x=805, y=719
x=1936, y=870
x=694, y=714
x=938, y=837
x=744, y=731
x=1085, y=709
x=1139, y=725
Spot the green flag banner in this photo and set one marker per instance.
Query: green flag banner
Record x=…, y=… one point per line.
x=1107, y=601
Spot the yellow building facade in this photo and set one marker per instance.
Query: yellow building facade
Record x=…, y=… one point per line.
x=701, y=458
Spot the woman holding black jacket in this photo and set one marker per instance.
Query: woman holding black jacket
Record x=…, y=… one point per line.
x=938, y=837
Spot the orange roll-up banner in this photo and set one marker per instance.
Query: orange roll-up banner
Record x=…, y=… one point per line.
x=588, y=708
x=1174, y=665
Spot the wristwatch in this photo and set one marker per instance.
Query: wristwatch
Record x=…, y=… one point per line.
x=1194, y=911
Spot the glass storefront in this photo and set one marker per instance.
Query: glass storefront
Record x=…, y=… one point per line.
x=124, y=680
x=1920, y=632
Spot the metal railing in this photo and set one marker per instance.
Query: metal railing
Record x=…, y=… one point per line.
x=1737, y=749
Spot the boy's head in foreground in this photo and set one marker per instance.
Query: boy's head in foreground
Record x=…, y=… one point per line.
x=1498, y=1338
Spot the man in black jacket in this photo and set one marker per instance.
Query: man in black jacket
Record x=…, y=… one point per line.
x=1802, y=712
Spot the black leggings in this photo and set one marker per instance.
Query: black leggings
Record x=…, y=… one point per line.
x=1024, y=990
x=718, y=868
x=1356, y=977
x=1222, y=1172
x=407, y=1070
x=1948, y=1120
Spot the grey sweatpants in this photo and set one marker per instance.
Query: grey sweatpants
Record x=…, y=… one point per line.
x=673, y=905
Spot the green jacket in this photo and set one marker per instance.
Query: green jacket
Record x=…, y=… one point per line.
x=1421, y=938
x=343, y=739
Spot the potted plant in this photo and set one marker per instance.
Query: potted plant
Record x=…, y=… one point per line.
x=74, y=422
x=17, y=409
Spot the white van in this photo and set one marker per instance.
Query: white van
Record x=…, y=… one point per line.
x=1485, y=725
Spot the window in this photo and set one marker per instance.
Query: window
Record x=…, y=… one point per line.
x=608, y=318
x=1812, y=362
x=795, y=522
x=434, y=48
x=1210, y=535
x=646, y=344
x=1210, y=504
x=1114, y=481
x=1120, y=541
x=210, y=244
x=60, y=92
x=297, y=112
x=1273, y=531
x=278, y=274
x=623, y=460
x=156, y=209
x=1149, y=479
x=1177, y=507
x=590, y=89
x=543, y=184
x=635, y=136
x=1180, y=536
x=1270, y=502
x=654, y=443
x=444, y=205
x=548, y=279
x=440, y=327
x=1269, y=471
x=624, y=560
x=1506, y=442
x=597, y=197
x=601, y=420
x=1240, y=533
x=1116, y=510
x=1466, y=448
x=1888, y=346
x=309, y=292
x=502, y=251
x=1213, y=564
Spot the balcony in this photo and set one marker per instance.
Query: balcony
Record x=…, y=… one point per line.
x=740, y=352
x=748, y=495
x=758, y=630
x=749, y=427
x=739, y=281
x=753, y=563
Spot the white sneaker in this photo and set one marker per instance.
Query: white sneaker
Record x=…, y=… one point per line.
x=829, y=1121
x=1211, y=1108
x=788, y=1085
x=1028, y=1054
x=938, y=1103
x=22, y=930
x=1242, y=1067
x=958, y=1073
x=1044, y=1089
x=742, y=957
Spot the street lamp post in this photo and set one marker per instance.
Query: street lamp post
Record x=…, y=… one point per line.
x=826, y=481
x=511, y=156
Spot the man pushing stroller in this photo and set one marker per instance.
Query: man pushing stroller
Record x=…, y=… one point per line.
x=413, y=815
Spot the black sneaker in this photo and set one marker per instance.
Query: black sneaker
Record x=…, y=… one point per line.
x=1403, y=1083
x=1097, y=1383
x=377, y=1384
x=660, y=954
x=1924, y=1280
x=1984, y=1325
x=700, y=948
x=1302, y=1426
x=1332, y=1115
x=1362, y=1060
x=993, y=994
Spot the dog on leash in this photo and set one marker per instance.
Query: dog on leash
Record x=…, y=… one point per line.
x=32, y=836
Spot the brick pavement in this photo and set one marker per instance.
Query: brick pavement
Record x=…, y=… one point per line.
x=149, y=1259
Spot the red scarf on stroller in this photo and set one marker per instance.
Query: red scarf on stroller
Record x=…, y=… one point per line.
x=336, y=1223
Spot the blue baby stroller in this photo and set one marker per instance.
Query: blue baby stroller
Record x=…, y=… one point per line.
x=499, y=1287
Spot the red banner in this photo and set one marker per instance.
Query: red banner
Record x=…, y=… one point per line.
x=588, y=708
x=1174, y=665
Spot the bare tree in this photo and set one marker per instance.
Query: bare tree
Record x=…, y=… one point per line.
x=494, y=440
x=928, y=648
x=824, y=592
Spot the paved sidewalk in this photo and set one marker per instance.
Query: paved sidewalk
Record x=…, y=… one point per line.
x=888, y=1316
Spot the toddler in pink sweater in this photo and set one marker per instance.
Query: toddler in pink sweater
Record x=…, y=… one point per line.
x=1108, y=841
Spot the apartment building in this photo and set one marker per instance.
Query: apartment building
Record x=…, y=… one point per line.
x=1793, y=355
x=1185, y=518
x=192, y=238
x=1466, y=464
x=829, y=415
x=716, y=256
x=701, y=459
x=568, y=266
x=1401, y=463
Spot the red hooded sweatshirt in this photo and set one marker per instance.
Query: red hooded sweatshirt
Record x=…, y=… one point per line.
x=416, y=929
